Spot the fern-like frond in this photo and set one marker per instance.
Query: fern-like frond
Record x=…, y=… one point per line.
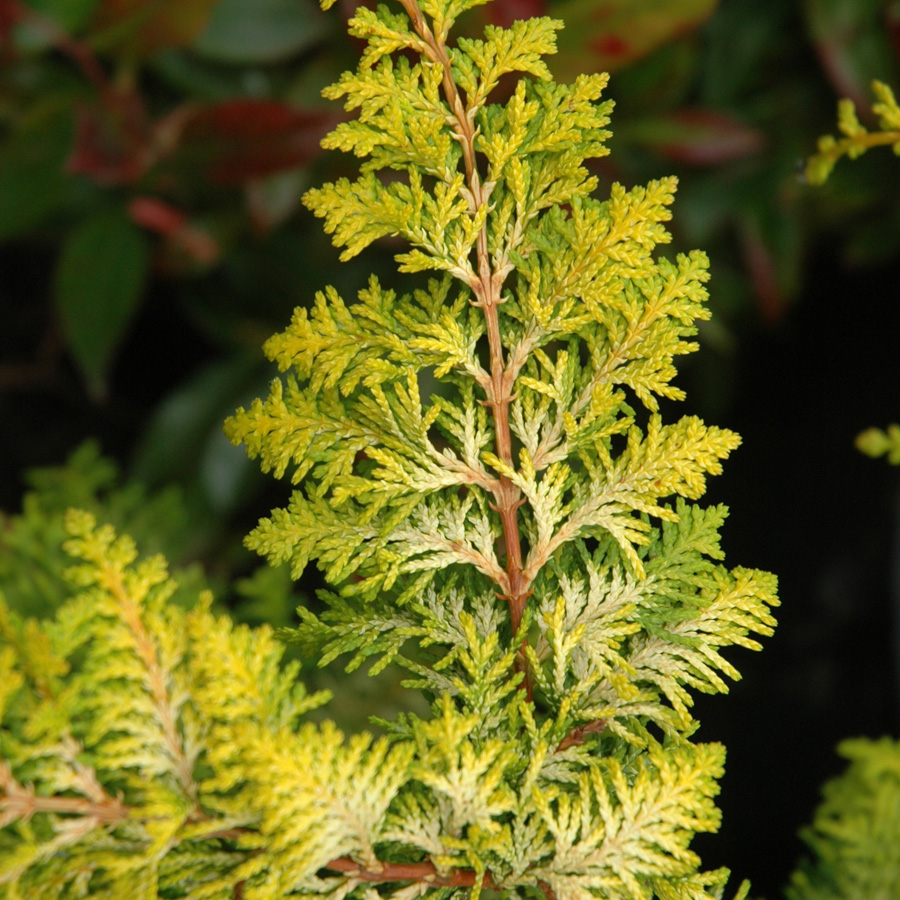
x=520, y=48
x=623, y=649
x=669, y=459
x=402, y=115
x=521, y=541
x=622, y=831
x=319, y=798
x=857, y=139
x=164, y=751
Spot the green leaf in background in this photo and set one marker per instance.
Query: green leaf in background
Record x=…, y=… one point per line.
x=853, y=44
x=749, y=57
x=263, y=31
x=136, y=28
x=606, y=35
x=695, y=136
x=205, y=81
x=69, y=15
x=247, y=138
x=99, y=279
x=183, y=441
x=33, y=177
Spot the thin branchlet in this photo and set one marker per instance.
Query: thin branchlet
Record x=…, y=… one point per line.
x=487, y=287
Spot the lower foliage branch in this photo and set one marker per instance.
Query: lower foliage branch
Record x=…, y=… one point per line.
x=20, y=802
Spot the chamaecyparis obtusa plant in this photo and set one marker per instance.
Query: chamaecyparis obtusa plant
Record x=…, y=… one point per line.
x=522, y=540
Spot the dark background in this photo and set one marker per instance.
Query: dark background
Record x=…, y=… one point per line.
x=807, y=506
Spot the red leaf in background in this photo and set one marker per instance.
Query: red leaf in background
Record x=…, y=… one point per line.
x=610, y=45
x=238, y=140
x=701, y=137
x=227, y=143
x=139, y=27
x=10, y=13
x=112, y=140
x=163, y=218
x=606, y=35
x=854, y=43
x=156, y=215
x=505, y=12
x=761, y=265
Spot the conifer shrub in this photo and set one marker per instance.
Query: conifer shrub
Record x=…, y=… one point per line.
x=482, y=473
x=854, y=839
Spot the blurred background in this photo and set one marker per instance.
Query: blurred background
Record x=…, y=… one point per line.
x=152, y=160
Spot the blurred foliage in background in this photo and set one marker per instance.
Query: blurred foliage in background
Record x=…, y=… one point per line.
x=152, y=160
x=853, y=836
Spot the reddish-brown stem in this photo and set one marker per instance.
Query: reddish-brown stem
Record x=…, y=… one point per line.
x=156, y=681
x=549, y=893
x=421, y=871
x=26, y=804
x=487, y=286
x=577, y=735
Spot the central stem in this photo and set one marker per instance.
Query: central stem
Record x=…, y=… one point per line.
x=487, y=287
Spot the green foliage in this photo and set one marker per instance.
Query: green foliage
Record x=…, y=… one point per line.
x=32, y=561
x=482, y=472
x=120, y=717
x=875, y=442
x=156, y=749
x=100, y=275
x=855, y=834
x=269, y=32
x=857, y=139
